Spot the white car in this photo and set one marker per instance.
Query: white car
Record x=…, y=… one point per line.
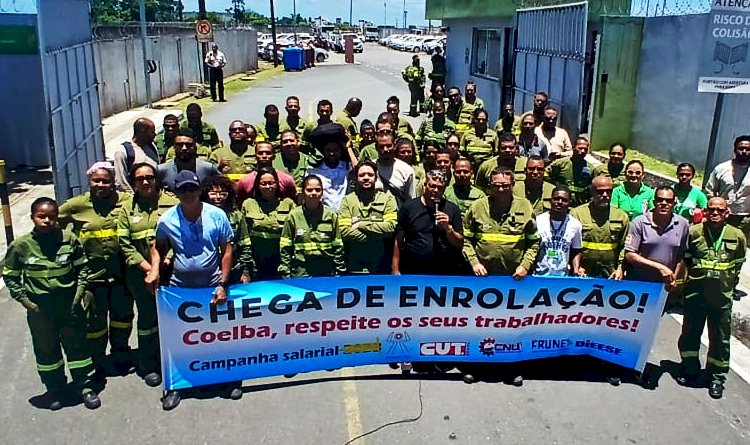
x=429, y=47
x=414, y=45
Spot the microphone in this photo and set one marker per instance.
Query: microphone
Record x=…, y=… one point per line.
x=437, y=208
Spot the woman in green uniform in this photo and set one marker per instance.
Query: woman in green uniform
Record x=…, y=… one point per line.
x=633, y=196
x=265, y=213
x=310, y=242
x=46, y=272
x=219, y=191
x=367, y=218
x=93, y=218
x=136, y=230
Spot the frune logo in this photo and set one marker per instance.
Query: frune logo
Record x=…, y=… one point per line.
x=442, y=348
x=490, y=347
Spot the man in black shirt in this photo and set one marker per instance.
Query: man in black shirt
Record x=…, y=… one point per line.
x=429, y=233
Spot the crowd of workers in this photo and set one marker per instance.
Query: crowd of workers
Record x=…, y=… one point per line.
x=291, y=198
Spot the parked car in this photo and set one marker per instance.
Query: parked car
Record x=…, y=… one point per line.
x=321, y=55
x=430, y=46
x=339, y=40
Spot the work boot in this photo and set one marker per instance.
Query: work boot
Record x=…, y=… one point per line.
x=91, y=400
x=235, y=391
x=152, y=379
x=517, y=381
x=614, y=380
x=51, y=399
x=469, y=378
x=738, y=294
x=685, y=379
x=716, y=390
x=170, y=400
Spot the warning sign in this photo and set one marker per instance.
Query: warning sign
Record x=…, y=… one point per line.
x=204, y=31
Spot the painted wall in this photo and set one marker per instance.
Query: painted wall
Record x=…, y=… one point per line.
x=458, y=59
x=452, y=9
x=672, y=120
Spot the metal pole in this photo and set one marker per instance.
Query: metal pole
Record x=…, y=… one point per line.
x=404, y=14
x=385, y=13
x=145, y=53
x=204, y=45
x=294, y=20
x=718, y=108
x=273, y=36
x=5, y=201
x=351, y=23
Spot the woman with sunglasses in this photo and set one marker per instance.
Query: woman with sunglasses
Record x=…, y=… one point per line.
x=311, y=244
x=136, y=230
x=219, y=191
x=453, y=144
x=265, y=213
x=633, y=196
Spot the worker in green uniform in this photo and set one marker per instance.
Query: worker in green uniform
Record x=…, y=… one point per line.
x=205, y=133
x=93, y=218
x=479, y=143
x=460, y=191
x=614, y=167
x=219, y=191
x=46, y=272
x=136, y=232
x=367, y=218
x=429, y=153
x=406, y=152
x=401, y=126
x=346, y=117
x=437, y=128
x=414, y=76
x=459, y=111
x=437, y=75
x=534, y=188
x=270, y=130
x=501, y=238
x=689, y=197
x=437, y=94
x=293, y=121
x=266, y=212
x=509, y=121
x=573, y=172
x=165, y=139
x=367, y=137
x=470, y=95
x=715, y=255
x=238, y=159
x=633, y=196
x=291, y=160
x=310, y=241
x=507, y=156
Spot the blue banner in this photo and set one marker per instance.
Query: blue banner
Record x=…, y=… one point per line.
x=308, y=324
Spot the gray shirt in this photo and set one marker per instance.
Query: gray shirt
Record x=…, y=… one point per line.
x=666, y=248
x=147, y=154
x=167, y=172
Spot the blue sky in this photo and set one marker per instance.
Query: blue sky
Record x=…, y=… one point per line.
x=371, y=10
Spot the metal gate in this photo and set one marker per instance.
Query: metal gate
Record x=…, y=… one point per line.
x=75, y=129
x=550, y=57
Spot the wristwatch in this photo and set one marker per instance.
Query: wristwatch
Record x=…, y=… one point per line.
x=223, y=284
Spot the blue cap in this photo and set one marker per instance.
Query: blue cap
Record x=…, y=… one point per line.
x=186, y=177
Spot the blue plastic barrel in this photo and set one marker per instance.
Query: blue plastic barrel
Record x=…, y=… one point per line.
x=294, y=58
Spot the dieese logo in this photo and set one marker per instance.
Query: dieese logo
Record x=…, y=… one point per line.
x=443, y=348
x=489, y=346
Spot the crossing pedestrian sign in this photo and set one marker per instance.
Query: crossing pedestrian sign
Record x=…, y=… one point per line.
x=204, y=31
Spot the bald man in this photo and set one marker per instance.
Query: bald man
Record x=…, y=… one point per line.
x=346, y=117
x=139, y=149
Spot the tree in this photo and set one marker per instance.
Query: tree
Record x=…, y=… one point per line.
x=238, y=10
x=113, y=11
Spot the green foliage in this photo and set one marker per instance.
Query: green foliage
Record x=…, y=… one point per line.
x=113, y=11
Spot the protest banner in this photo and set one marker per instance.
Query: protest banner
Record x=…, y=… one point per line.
x=299, y=325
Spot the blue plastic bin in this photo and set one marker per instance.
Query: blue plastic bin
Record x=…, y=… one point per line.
x=294, y=58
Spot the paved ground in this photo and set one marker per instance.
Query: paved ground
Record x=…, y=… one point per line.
x=556, y=405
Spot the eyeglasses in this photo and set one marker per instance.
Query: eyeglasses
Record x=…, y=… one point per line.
x=453, y=144
x=501, y=186
x=667, y=200
x=149, y=178
x=714, y=210
x=237, y=130
x=217, y=193
x=182, y=144
x=634, y=172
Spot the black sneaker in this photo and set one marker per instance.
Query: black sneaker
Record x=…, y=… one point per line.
x=52, y=400
x=685, y=379
x=152, y=379
x=716, y=390
x=91, y=400
x=614, y=380
x=517, y=381
x=738, y=294
x=170, y=400
x=468, y=378
x=235, y=393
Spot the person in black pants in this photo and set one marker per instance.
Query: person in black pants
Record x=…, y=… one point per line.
x=216, y=61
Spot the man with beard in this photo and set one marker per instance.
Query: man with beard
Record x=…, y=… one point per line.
x=238, y=159
x=534, y=188
x=555, y=138
x=573, y=172
x=507, y=156
x=186, y=159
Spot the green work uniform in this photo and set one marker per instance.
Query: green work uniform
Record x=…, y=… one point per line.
x=540, y=199
x=633, y=205
x=616, y=172
x=345, y=119
x=479, y=149
x=299, y=127
x=689, y=200
x=162, y=146
x=95, y=224
x=311, y=244
x=501, y=243
x=265, y=219
x=297, y=169
x=368, y=152
x=714, y=260
x=462, y=197
x=603, y=239
x=369, y=245
x=136, y=231
x=242, y=255
x=205, y=135
x=478, y=102
x=269, y=133
x=415, y=78
x=240, y=164
x=463, y=116
x=575, y=174
x=404, y=130
x=50, y=271
x=434, y=130
x=506, y=125
x=484, y=172
x=201, y=152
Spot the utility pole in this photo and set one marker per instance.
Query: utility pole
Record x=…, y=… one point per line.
x=180, y=8
x=404, y=14
x=204, y=46
x=385, y=13
x=142, y=5
x=294, y=20
x=351, y=23
x=273, y=36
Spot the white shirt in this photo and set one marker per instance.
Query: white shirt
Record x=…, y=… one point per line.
x=334, y=183
x=557, y=238
x=397, y=178
x=725, y=182
x=217, y=60
x=559, y=144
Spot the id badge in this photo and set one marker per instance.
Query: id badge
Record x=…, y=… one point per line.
x=713, y=274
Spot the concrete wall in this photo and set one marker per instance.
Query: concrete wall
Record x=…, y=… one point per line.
x=119, y=65
x=672, y=120
x=458, y=58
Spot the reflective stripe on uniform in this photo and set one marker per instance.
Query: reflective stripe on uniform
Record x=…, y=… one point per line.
x=574, y=188
x=717, y=265
x=499, y=238
x=120, y=324
x=345, y=222
x=80, y=363
x=48, y=368
x=309, y=247
x=123, y=233
x=105, y=233
x=716, y=362
x=266, y=235
x=244, y=241
x=389, y=217
x=235, y=176
x=688, y=354
x=11, y=272
x=285, y=242
x=49, y=273
x=599, y=246
x=146, y=332
x=97, y=334
x=141, y=234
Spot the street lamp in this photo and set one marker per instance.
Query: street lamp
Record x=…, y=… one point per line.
x=404, y=14
x=351, y=23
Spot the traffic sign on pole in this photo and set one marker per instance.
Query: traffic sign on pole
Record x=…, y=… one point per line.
x=204, y=31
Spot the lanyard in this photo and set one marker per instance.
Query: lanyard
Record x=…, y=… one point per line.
x=560, y=229
x=716, y=244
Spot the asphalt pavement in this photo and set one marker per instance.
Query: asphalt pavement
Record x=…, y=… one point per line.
x=561, y=402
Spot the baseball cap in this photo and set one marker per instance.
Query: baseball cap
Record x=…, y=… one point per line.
x=186, y=177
